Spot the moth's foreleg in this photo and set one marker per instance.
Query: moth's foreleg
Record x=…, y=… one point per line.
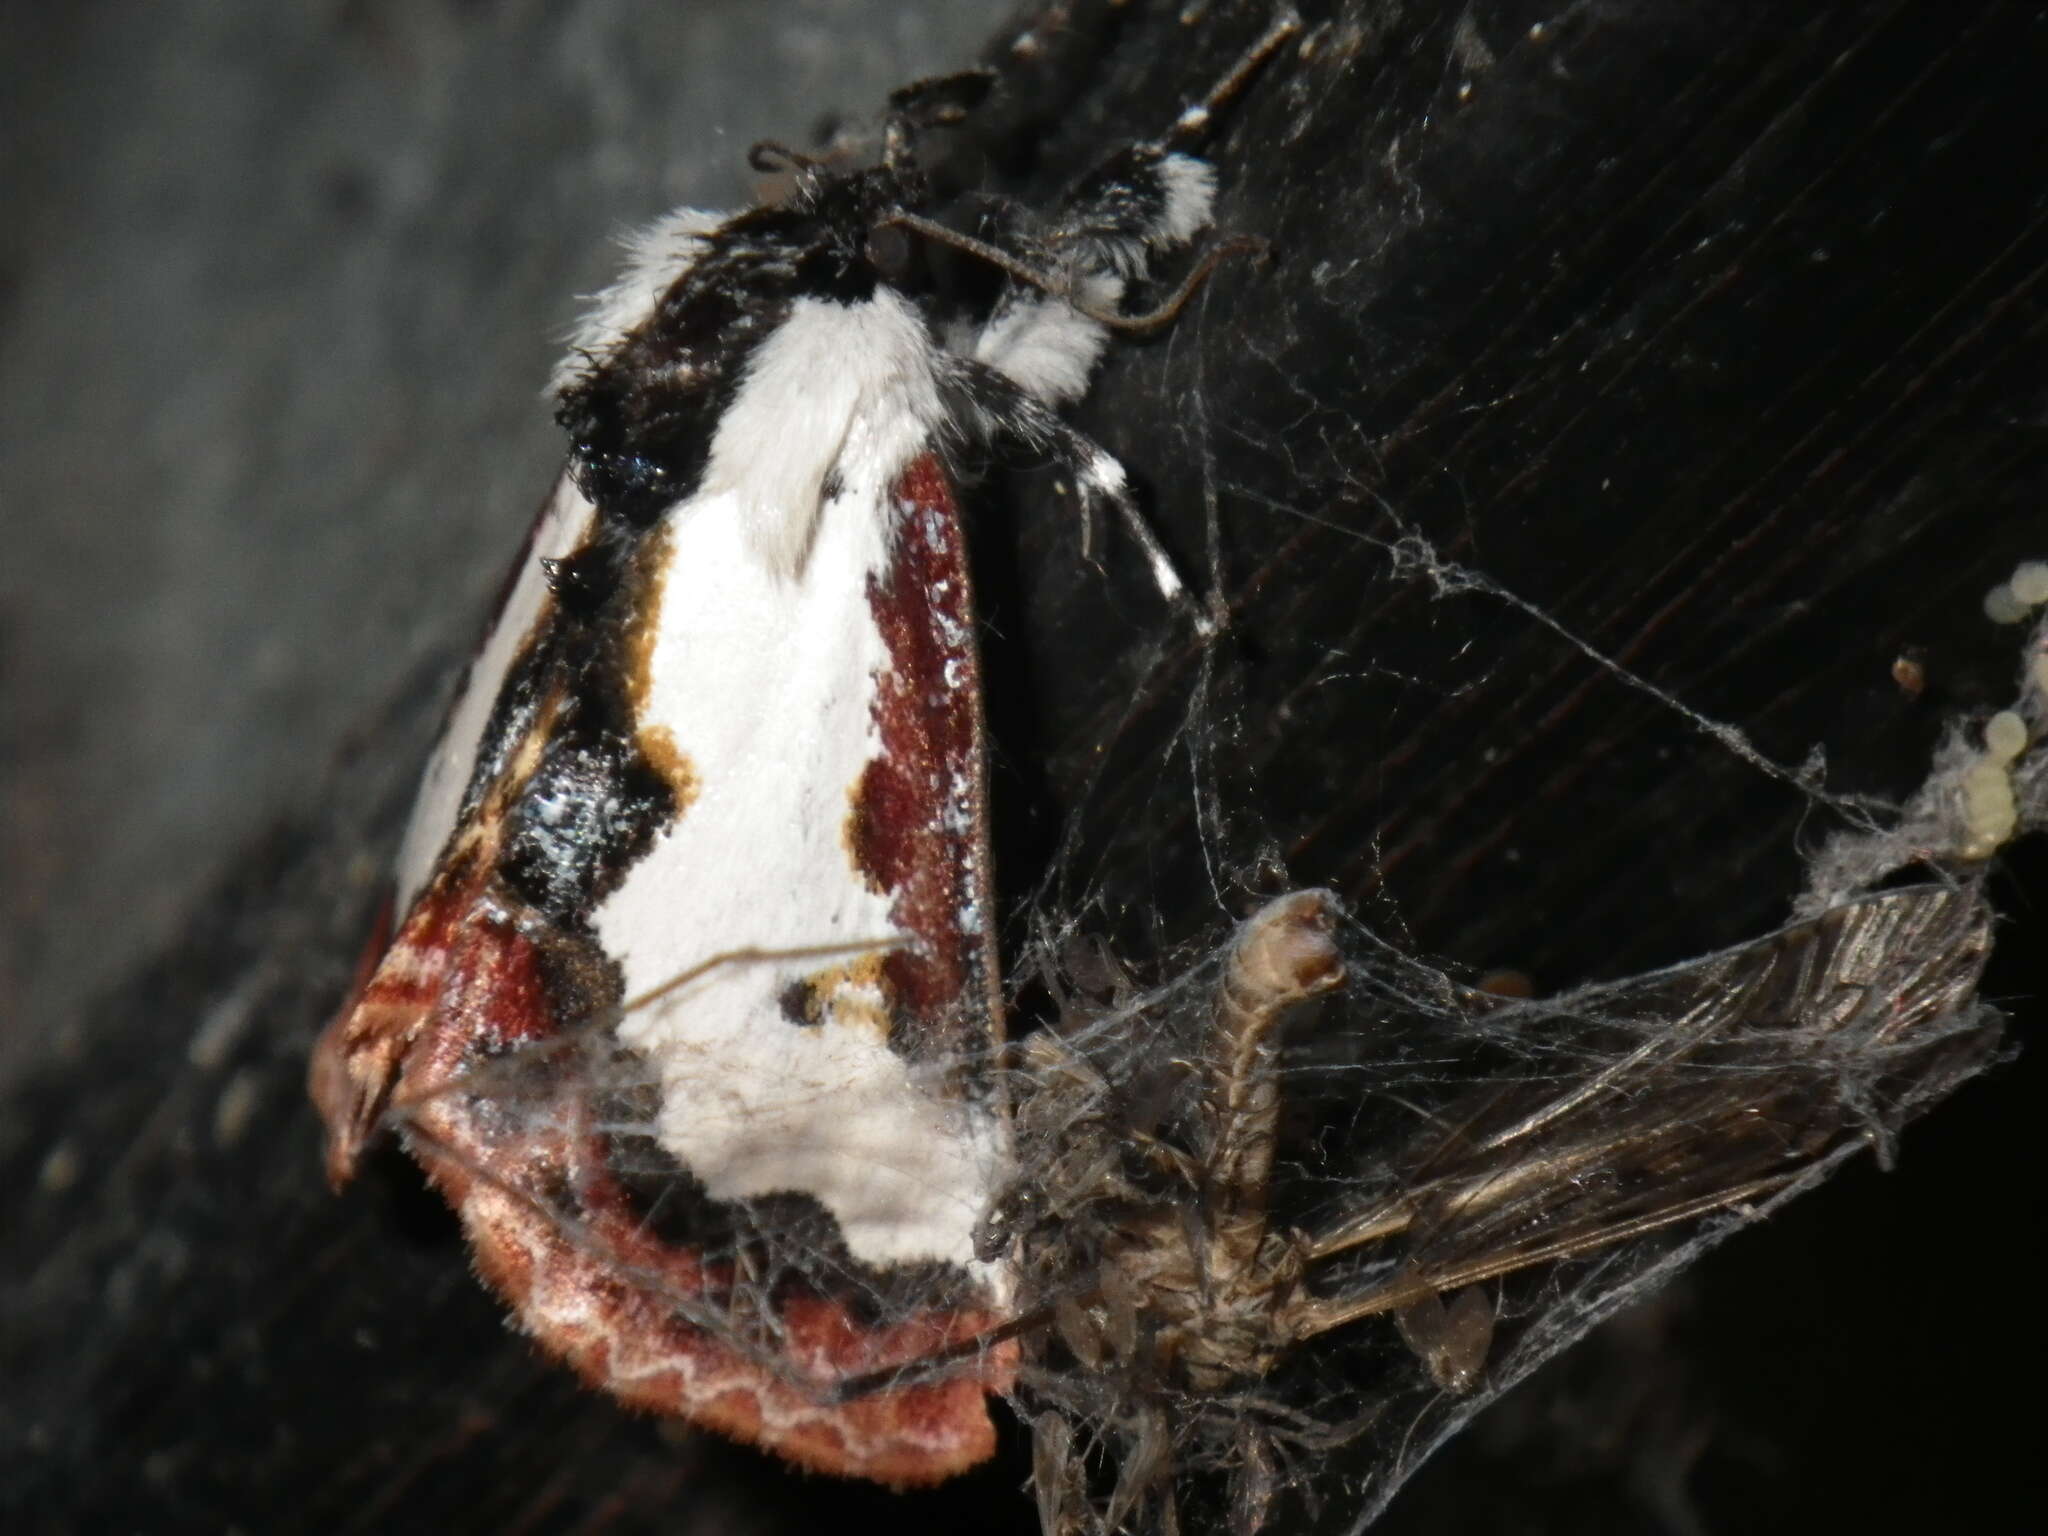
x=993, y=408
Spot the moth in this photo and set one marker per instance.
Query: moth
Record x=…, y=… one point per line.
x=692, y=1009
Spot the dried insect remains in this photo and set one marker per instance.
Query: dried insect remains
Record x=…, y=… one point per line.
x=1304, y=1313
x=1292, y=1220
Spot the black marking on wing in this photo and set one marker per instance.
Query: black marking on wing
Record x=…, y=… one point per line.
x=586, y=815
x=642, y=420
x=786, y=1242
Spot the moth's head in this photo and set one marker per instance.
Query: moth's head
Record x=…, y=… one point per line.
x=857, y=198
x=845, y=220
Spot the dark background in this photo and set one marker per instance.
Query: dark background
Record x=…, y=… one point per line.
x=1712, y=332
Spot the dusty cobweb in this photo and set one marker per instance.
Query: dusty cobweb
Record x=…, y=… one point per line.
x=1269, y=1281
x=1289, y=1203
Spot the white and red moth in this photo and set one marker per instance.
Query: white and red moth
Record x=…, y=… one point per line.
x=692, y=1009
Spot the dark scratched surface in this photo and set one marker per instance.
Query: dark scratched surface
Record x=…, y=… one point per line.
x=1713, y=334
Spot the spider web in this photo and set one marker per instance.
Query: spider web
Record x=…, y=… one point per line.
x=1394, y=1084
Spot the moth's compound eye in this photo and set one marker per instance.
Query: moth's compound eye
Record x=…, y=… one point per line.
x=892, y=252
x=630, y=486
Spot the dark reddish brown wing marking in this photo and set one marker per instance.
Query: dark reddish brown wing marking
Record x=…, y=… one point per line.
x=360, y=1056
x=919, y=827
x=493, y=1089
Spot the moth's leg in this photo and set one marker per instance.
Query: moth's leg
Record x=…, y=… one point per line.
x=1069, y=275
x=1138, y=201
x=1192, y=126
x=1153, y=194
x=994, y=407
x=1281, y=957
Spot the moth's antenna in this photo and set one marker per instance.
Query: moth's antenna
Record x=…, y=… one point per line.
x=771, y=156
x=753, y=955
x=1194, y=121
x=939, y=102
x=1062, y=289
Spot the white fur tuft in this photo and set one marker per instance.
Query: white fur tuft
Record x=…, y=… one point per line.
x=1190, y=197
x=1044, y=346
x=655, y=257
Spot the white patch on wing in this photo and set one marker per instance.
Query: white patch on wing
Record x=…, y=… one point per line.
x=763, y=668
x=1044, y=345
x=563, y=524
x=836, y=384
x=655, y=257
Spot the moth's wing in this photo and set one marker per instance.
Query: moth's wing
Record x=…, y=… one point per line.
x=496, y=705
x=919, y=826
x=515, y=1109
x=806, y=947
x=787, y=1257
x=357, y=1059
x=494, y=715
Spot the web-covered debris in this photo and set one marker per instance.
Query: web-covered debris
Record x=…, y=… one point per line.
x=1278, y=1227
x=1987, y=783
x=1287, y=1227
